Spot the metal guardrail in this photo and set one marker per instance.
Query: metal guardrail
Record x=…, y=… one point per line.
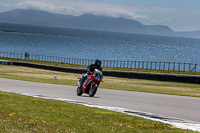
x=170, y=66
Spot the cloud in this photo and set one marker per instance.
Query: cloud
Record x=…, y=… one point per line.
x=45, y=5
x=112, y=11
x=4, y=5
x=162, y=10
x=160, y=20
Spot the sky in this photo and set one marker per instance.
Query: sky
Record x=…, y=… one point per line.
x=179, y=15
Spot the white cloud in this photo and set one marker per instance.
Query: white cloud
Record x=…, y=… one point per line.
x=4, y=5
x=160, y=20
x=45, y=5
x=163, y=10
x=112, y=11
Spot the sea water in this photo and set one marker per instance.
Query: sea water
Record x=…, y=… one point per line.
x=86, y=44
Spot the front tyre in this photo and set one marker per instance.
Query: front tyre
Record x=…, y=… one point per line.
x=93, y=90
x=79, y=91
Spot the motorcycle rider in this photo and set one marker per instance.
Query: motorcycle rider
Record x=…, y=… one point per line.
x=90, y=69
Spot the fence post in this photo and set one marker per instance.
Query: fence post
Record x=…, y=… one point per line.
x=179, y=67
x=184, y=67
x=135, y=64
x=174, y=66
x=195, y=68
x=159, y=65
x=142, y=64
x=138, y=64
x=169, y=66
x=164, y=66
x=107, y=63
x=147, y=63
x=131, y=64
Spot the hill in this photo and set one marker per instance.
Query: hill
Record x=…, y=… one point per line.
x=89, y=22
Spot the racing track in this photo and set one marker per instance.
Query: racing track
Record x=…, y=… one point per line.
x=162, y=106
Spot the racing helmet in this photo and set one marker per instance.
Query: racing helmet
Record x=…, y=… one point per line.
x=98, y=63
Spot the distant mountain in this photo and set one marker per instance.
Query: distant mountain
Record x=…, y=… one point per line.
x=34, y=17
x=89, y=22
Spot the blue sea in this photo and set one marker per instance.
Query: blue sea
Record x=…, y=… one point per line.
x=85, y=44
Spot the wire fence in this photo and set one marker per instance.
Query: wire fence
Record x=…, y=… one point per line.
x=170, y=66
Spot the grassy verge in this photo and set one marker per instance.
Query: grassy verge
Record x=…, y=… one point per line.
x=27, y=114
x=104, y=68
x=45, y=76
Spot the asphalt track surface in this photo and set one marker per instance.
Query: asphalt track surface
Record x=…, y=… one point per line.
x=186, y=108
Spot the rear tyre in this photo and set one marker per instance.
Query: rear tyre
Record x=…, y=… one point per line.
x=93, y=91
x=79, y=91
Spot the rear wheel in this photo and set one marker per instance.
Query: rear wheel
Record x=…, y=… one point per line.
x=93, y=90
x=79, y=91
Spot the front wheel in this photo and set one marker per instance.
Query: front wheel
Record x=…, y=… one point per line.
x=93, y=90
x=79, y=91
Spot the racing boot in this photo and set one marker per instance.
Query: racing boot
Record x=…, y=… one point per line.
x=81, y=84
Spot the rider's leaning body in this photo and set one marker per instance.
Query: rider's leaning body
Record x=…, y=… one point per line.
x=90, y=69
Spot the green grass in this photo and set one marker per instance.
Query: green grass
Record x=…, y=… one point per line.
x=27, y=114
x=46, y=76
x=104, y=68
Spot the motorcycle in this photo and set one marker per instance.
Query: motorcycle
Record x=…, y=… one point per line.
x=91, y=84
